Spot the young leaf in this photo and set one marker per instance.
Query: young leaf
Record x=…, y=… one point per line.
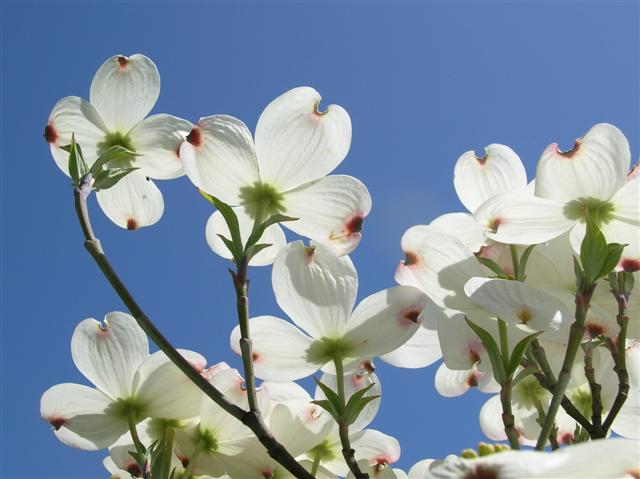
x=614, y=252
x=492, y=349
x=352, y=413
x=518, y=352
x=492, y=265
x=116, y=154
x=580, y=277
x=237, y=255
x=256, y=248
x=331, y=396
x=328, y=406
x=522, y=264
x=109, y=178
x=77, y=166
x=229, y=217
x=593, y=252
x=523, y=374
x=258, y=230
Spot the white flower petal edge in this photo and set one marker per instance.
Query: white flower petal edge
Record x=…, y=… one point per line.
x=135, y=201
x=594, y=168
x=273, y=235
x=219, y=157
x=421, y=350
x=124, y=90
x=476, y=179
x=330, y=211
x=109, y=353
x=157, y=140
x=316, y=288
x=280, y=350
x=296, y=143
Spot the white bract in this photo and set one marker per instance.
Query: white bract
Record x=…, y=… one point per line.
x=588, y=180
x=283, y=171
x=123, y=92
x=131, y=385
x=317, y=289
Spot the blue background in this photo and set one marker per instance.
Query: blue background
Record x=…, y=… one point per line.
x=423, y=82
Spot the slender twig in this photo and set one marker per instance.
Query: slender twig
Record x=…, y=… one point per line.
x=249, y=418
x=343, y=427
x=583, y=299
x=596, y=390
x=620, y=361
x=507, y=415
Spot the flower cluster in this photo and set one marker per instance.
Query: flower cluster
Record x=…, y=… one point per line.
x=529, y=296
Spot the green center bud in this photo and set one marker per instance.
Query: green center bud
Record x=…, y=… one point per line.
x=323, y=451
x=601, y=212
x=581, y=398
x=327, y=349
x=115, y=138
x=206, y=440
x=125, y=408
x=262, y=200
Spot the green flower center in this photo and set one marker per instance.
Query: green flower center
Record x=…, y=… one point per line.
x=262, y=200
x=582, y=400
x=528, y=392
x=115, y=138
x=323, y=451
x=327, y=349
x=601, y=212
x=125, y=408
x=206, y=440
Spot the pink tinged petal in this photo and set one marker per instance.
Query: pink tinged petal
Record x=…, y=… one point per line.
x=315, y=287
x=166, y=392
x=280, y=350
x=79, y=416
x=464, y=227
x=378, y=471
x=292, y=432
x=594, y=168
x=74, y=116
x=519, y=304
x=375, y=447
x=384, y=321
x=453, y=383
x=330, y=211
x=135, y=201
x=461, y=347
x=296, y=143
x=476, y=179
x=273, y=235
x=109, y=353
x=219, y=157
x=232, y=385
x=124, y=90
x=439, y=264
x=514, y=218
x=421, y=350
x=157, y=140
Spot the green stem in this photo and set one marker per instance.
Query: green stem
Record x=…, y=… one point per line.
x=583, y=299
x=249, y=418
x=343, y=428
x=192, y=460
x=620, y=361
x=141, y=458
x=515, y=261
x=507, y=414
x=316, y=463
x=596, y=398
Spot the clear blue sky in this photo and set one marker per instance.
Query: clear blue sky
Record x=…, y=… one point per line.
x=423, y=82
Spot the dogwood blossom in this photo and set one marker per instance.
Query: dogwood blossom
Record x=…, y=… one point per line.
x=283, y=171
x=123, y=92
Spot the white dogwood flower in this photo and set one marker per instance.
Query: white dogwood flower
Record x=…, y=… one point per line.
x=283, y=171
x=317, y=289
x=123, y=92
x=130, y=385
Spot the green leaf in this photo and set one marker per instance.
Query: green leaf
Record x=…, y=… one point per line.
x=109, y=178
x=522, y=264
x=493, y=266
x=593, y=252
x=231, y=247
x=232, y=223
x=518, y=352
x=331, y=396
x=523, y=374
x=115, y=154
x=352, y=413
x=492, y=349
x=77, y=165
x=258, y=230
x=580, y=278
x=328, y=406
x=256, y=248
x=614, y=252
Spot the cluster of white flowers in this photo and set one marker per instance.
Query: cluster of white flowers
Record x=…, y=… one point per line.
x=492, y=292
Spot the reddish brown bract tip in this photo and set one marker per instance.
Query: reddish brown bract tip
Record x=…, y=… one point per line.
x=482, y=472
x=630, y=265
x=412, y=315
x=482, y=159
x=57, y=422
x=132, y=224
x=50, y=134
x=316, y=109
x=494, y=224
x=472, y=380
x=255, y=356
x=569, y=153
x=410, y=258
x=134, y=470
x=354, y=224
x=594, y=330
x=195, y=137
x=123, y=62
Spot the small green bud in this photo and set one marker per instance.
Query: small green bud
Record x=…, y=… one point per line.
x=469, y=454
x=485, y=449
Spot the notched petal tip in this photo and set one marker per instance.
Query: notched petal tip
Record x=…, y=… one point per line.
x=569, y=153
x=56, y=422
x=50, y=134
x=132, y=224
x=410, y=258
x=122, y=61
x=317, y=111
x=195, y=137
